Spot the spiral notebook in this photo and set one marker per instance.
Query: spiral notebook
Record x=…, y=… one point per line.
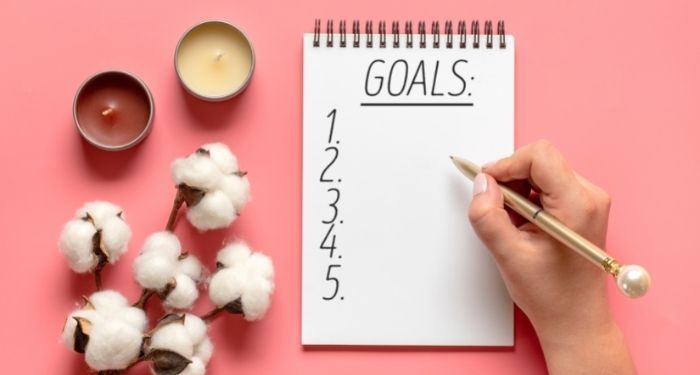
x=388, y=254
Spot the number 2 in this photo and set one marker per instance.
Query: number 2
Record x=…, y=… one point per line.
x=335, y=156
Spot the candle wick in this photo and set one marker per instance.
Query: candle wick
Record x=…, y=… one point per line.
x=108, y=111
x=219, y=55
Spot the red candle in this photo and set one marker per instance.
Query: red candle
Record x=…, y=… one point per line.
x=113, y=110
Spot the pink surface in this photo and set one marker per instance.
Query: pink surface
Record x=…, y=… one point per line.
x=614, y=84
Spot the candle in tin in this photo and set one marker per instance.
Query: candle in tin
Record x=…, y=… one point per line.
x=113, y=110
x=214, y=60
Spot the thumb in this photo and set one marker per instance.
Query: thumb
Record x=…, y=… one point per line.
x=489, y=218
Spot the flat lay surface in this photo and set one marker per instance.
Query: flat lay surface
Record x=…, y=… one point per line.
x=613, y=85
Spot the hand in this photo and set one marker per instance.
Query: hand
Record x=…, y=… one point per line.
x=563, y=294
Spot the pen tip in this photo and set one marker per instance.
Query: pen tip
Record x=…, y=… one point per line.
x=452, y=157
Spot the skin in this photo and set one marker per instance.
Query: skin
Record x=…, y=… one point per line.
x=562, y=294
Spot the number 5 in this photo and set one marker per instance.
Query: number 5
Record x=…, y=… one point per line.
x=334, y=280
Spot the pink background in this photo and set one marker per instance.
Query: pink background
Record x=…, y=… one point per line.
x=613, y=84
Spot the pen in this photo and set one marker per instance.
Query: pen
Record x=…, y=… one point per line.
x=632, y=280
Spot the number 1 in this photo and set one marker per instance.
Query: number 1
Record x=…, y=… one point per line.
x=332, y=116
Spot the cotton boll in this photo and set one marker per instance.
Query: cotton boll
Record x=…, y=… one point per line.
x=222, y=156
x=173, y=337
x=214, y=211
x=99, y=211
x=165, y=243
x=233, y=254
x=108, y=300
x=115, y=237
x=197, y=171
x=190, y=266
x=196, y=328
x=113, y=345
x=237, y=189
x=184, y=294
x=76, y=245
x=256, y=299
x=153, y=271
x=204, y=350
x=195, y=368
x=226, y=286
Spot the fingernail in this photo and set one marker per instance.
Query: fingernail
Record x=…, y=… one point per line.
x=480, y=184
x=487, y=165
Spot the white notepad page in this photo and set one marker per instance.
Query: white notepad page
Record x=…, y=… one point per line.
x=388, y=254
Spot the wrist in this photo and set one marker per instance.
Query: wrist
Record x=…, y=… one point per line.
x=592, y=345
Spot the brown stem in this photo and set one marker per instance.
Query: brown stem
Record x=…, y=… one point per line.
x=145, y=295
x=179, y=199
x=98, y=277
x=208, y=317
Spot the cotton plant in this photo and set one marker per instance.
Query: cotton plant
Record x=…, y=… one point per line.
x=162, y=268
x=212, y=186
x=114, y=334
x=97, y=235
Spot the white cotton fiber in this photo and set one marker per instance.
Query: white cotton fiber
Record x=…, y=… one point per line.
x=256, y=299
x=204, y=350
x=214, y=211
x=190, y=266
x=135, y=317
x=196, y=328
x=173, y=337
x=233, y=254
x=194, y=368
x=107, y=300
x=261, y=265
x=222, y=156
x=76, y=245
x=99, y=211
x=115, y=237
x=237, y=189
x=184, y=294
x=164, y=242
x=113, y=345
x=153, y=271
x=226, y=286
x=196, y=171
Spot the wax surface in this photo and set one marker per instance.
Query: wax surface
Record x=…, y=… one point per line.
x=113, y=109
x=214, y=60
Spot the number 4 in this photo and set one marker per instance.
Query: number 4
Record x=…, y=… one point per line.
x=332, y=240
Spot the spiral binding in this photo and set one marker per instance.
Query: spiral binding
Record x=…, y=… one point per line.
x=408, y=30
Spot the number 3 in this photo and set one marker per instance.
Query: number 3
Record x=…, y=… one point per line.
x=333, y=206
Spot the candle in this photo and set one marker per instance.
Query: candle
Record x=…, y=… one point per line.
x=214, y=61
x=113, y=110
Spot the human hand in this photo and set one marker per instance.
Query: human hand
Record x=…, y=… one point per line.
x=563, y=295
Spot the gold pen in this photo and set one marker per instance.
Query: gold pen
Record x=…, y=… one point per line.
x=632, y=280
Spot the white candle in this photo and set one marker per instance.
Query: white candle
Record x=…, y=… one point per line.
x=214, y=60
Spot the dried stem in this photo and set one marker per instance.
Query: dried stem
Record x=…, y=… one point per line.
x=179, y=199
x=98, y=277
x=208, y=317
x=145, y=295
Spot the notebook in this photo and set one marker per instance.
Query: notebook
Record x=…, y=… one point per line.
x=388, y=254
